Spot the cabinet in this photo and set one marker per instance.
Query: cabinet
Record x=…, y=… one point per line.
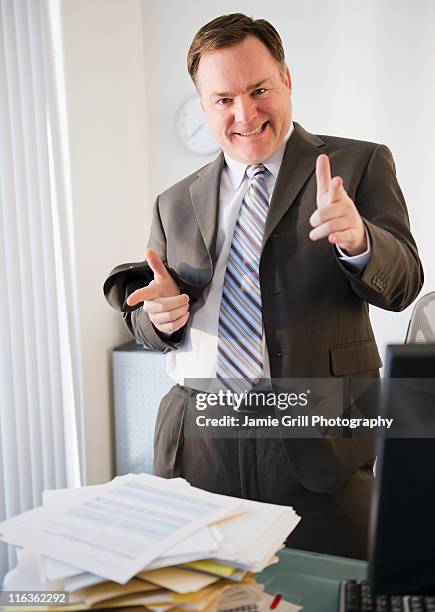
x=139, y=382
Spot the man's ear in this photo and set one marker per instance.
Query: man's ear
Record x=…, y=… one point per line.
x=288, y=79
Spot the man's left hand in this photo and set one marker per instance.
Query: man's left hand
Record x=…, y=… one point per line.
x=336, y=217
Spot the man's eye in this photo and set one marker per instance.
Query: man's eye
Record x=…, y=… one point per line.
x=258, y=92
x=223, y=101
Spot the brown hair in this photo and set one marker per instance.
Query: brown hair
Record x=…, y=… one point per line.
x=229, y=30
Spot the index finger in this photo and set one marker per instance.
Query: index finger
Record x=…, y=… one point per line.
x=323, y=177
x=156, y=265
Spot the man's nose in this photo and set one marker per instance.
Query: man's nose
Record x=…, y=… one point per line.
x=245, y=111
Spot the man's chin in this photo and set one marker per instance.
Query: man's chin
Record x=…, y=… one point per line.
x=249, y=155
x=250, y=152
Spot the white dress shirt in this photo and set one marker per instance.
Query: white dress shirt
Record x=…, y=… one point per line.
x=196, y=355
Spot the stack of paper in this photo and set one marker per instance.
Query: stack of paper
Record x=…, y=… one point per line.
x=145, y=541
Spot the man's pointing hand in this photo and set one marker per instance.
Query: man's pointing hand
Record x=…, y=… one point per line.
x=336, y=217
x=168, y=310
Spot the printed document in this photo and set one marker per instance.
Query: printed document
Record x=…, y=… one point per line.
x=118, y=531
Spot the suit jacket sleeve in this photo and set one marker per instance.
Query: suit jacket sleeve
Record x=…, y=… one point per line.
x=393, y=276
x=126, y=278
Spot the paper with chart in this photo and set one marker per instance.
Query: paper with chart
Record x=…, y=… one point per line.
x=116, y=532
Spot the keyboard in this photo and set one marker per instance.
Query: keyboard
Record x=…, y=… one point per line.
x=356, y=596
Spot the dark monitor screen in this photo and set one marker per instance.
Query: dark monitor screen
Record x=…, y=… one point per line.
x=402, y=534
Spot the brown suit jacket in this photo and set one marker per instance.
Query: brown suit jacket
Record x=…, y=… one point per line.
x=315, y=309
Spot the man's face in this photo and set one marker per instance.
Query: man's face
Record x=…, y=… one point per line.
x=246, y=99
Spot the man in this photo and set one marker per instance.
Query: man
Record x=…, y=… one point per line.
x=261, y=265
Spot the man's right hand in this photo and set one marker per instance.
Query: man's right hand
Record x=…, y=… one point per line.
x=168, y=310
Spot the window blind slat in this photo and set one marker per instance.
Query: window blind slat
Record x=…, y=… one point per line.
x=16, y=252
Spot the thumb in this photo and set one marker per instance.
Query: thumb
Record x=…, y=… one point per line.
x=156, y=265
x=336, y=189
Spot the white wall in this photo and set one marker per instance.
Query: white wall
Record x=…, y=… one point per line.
x=360, y=69
x=105, y=72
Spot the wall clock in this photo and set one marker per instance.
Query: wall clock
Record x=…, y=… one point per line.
x=193, y=130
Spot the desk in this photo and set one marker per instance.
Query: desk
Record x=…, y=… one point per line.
x=308, y=579
x=311, y=579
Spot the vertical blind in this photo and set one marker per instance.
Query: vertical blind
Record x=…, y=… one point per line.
x=40, y=371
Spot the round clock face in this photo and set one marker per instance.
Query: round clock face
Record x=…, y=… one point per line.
x=193, y=129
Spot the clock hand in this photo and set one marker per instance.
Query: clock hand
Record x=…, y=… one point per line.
x=195, y=131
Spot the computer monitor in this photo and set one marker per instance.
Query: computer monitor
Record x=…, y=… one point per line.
x=402, y=534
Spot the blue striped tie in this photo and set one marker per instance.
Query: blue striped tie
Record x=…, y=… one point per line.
x=240, y=329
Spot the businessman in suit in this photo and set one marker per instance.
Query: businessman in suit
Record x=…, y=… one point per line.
x=335, y=238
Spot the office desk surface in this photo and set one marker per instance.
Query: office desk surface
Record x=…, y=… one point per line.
x=310, y=579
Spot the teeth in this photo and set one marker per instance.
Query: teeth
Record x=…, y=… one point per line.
x=256, y=131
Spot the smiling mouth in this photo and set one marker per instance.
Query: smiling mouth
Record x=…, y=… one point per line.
x=258, y=130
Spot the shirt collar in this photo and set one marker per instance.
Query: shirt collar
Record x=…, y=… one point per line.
x=236, y=170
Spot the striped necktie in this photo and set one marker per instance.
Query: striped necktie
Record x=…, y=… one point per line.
x=240, y=329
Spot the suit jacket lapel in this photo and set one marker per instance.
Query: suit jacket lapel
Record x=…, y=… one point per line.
x=297, y=165
x=204, y=192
